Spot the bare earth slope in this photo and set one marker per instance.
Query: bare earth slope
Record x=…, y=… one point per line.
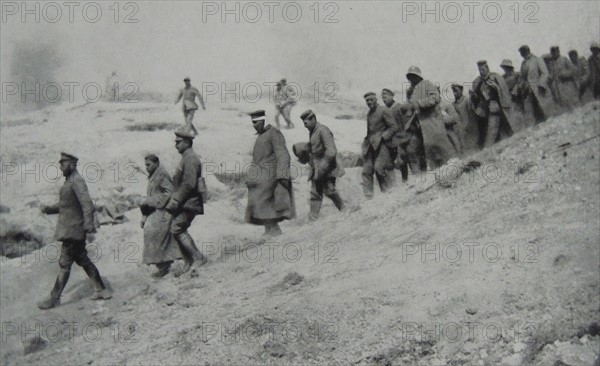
x=501, y=266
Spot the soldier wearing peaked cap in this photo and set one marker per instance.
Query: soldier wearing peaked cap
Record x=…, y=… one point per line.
x=270, y=193
x=75, y=225
x=533, y=85
x=563, y=74
x=381, y=128
x=402, y=137
x=189, y=106
x=325, y=167
x=186, y=202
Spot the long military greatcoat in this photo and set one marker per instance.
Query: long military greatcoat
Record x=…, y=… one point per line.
x=159, y=244
x=436, y=143
x=270, y=161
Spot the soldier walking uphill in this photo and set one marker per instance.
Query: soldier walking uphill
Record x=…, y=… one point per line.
x=321, y=153
x=189, y=94
x=381, y=127
x=533, y=85
x=564, y=84
x=186, y=202
x=423, y=105
x=582, y=71
x=491, y=99
x=75, y=225
x=270, y=194
x=594, y=67
x=402, y=138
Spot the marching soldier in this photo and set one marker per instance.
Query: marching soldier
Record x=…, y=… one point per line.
x=381, y=127
x=284, y=102
x=270, y=194
x=325, y=168
x=402, y=138
x=75, y=226
x=186, y=202
x=491, y=99
x=533, y=85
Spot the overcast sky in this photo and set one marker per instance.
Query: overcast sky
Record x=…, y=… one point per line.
x=365, y=45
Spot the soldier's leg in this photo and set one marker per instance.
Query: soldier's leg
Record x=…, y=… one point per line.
x=188, y=121
x=65, y=262
x=82, y=259
x=330, y=191
x=181, y=222
x=368, y=170
x=453, y=137
x=316, y=199
x=412, y=151
x=493, y=127
x=287, y=112
x=277, y=114
x=386, y=176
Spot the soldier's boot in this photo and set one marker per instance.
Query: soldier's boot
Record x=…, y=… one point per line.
x=54, y=299
x=163, y=269
x=404, y=171
x=194, y=258
x=315, y=208
x=92, y=272
x=337, y=201
x=103, y=294
x=272, y=229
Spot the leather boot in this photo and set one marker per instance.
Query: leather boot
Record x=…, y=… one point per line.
x=194, y=256
x=315, y=208
x=59, y=286
x=337, y=201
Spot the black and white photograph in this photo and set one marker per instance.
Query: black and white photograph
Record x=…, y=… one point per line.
x=310, y=182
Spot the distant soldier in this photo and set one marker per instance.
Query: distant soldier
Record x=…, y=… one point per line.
x=75, y=225
x=468, y=128
x=402, y=138
x=381, y=127
x=160, y=246
x=189, y=94
x=111, y=91
x=284, y=102
x=533, y=85
x=594, y=66
x=423, y=104
x=512, y=82
x=270, y=194
x=186, y=202
x=563, y=74
x=324, y=166
x=582, y=72
x=491, y=100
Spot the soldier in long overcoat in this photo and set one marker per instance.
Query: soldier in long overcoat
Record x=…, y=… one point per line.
x=160, y=246
x=564, y=82
x=533, y=85
x=270, y=194
x=423, y=101
x=75, y=225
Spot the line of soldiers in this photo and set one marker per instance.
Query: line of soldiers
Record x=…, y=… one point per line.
x=419, y=133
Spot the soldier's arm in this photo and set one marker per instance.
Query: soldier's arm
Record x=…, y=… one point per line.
x=330, y=152
x=189, y=181
x=200, y=98
x=281, y=155
x=431, y=97
x=87, y=206
x=390, y=123
x=179, y=96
